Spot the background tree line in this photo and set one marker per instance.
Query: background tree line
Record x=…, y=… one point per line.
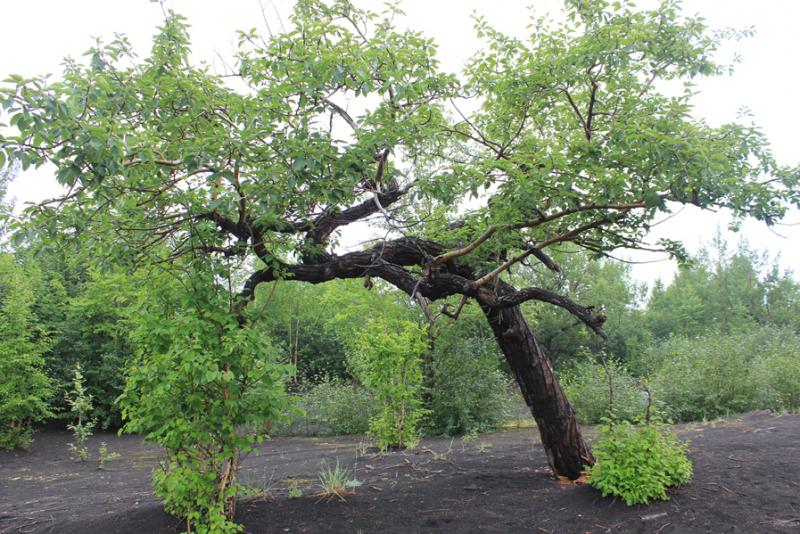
x=722, y=337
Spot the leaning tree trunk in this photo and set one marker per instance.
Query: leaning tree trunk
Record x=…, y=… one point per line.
x=567, y=452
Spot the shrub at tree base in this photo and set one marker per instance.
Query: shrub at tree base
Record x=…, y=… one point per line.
x=638, y=463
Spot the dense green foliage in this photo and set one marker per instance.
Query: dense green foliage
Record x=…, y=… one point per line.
x=298, y=317
x=85, y=312
x=205, y=388
x=691, y=379
x=386, y=359
x=717, y=375
x=329, y=407
x=588, y=390
x=605, y=284
x=24, y=387
x=724, y=290
x=468, y=388
x=638, y=463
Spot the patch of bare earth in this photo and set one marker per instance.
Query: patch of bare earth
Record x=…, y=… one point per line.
x=746, y=468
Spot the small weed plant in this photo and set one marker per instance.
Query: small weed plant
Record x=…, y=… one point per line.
x=258, y=485
x=484, y=446
x=443, y=456
x=335, y=482
x=295, y=492
x=103, y=456
x=80, y=403
x=466, y=439
x=638, y=463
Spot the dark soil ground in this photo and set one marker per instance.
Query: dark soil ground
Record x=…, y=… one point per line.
x=747, y=479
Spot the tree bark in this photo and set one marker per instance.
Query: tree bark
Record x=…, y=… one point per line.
x=567, y=452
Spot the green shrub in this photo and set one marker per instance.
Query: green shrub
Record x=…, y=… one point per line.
x=468, y=390
x=586, y=387
x=386, y=359
x=329, y=408
x=718, y=375
x=638, y=463
x=779, y=371
x=24, y=386
x=203, y=387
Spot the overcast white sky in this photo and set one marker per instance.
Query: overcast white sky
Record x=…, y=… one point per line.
x=35, y=35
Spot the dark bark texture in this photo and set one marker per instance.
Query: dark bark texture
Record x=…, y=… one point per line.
x=567, y=452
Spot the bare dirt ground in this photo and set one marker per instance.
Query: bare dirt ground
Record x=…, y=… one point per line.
x=747, y=479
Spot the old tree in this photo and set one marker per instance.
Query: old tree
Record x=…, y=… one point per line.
x=345, y=127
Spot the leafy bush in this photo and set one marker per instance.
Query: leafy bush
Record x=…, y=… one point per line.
x=638, y=463
x=330, y=408
x=24, y=386
x=386, y=359
x=203, y=387
x=717, y=375
x=779, y=371
x=586, y=387
x=468, y=390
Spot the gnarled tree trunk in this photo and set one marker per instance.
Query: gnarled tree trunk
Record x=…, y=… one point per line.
x=567, y=452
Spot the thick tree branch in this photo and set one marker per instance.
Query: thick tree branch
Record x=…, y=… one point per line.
x=548, y=262
x=327, y=223
x=388, y=261
x=586, y=315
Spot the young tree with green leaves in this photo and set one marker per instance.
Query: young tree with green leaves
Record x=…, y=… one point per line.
x=386, y=359
x=80, y=404
x=204, y=387
x=572, y=141
x=24, y=388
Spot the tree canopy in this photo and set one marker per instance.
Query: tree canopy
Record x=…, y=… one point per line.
x=572, y=140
